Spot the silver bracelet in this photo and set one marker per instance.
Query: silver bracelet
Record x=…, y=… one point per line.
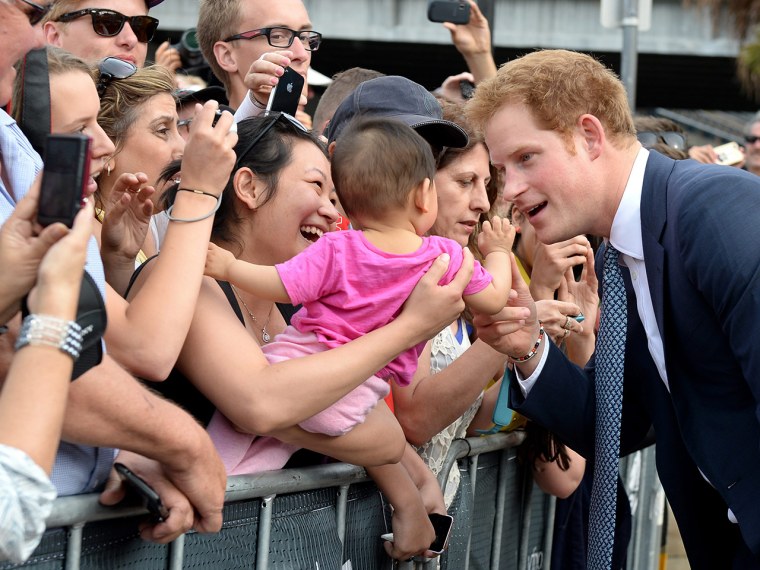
x=44, y=330
x=171, y=217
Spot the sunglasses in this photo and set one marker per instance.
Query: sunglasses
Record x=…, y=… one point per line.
x=264, y=131
x=670, y=138
x=37, y=13
x=113, y=68
x=109, y=23
x=751, y=139
x=282, y=37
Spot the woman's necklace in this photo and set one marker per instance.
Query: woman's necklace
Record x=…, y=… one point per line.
x=264, y=334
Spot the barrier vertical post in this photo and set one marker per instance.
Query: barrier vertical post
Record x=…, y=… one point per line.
x=74, y=546
x=265, y=531
x=177, y=553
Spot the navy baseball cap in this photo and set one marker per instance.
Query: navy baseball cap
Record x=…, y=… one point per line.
x=398, y=98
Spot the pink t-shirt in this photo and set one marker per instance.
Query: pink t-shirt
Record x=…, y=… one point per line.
x=348, y=288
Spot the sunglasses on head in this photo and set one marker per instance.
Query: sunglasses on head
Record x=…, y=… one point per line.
x=263, y=132
x=113, y=68
x=109, y=23
x=671, y=138
x=36, y=13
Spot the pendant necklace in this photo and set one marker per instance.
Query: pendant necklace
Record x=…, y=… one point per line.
x=264, y=334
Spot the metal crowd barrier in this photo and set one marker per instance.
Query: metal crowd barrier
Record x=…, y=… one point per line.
x=320, y=517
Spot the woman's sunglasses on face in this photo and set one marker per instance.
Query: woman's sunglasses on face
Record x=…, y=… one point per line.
x=109, y=23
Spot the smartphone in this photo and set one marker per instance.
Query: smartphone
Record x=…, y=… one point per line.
x=441, y=524
x=65, y=175
x=467, y=89
x=286, y=94
x=146, y=492
x=729, y=154
x=453, y=11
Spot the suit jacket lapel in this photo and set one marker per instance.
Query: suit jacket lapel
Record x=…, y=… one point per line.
x=653, y=219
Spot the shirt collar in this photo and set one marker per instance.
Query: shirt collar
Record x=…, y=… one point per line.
x=625, y=234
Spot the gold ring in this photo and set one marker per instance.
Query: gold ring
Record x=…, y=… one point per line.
x=566, y=334
x=567, y=323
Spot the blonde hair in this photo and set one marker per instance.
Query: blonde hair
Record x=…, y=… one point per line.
x=59, y=61
x=61, y=7
x=558, y=86
x=216, y=21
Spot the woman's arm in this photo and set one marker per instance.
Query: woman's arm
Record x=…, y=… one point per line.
x=225, y=363
x=146, y=334
x=433, y=401
x=553, y=480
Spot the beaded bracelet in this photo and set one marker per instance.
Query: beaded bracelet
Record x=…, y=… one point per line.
x=44, y=330
x=170, y=209
x=533, y=351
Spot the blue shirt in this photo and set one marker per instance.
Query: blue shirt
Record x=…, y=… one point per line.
x=78, y=468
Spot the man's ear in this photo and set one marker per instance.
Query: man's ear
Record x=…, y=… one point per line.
x=248, y=188
x=331, y=149
x=225, y=57
x=592, y=132
x=52, y=34
x=423, y=194
x=517, y=218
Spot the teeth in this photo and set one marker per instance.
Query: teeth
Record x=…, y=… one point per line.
x=312, y=230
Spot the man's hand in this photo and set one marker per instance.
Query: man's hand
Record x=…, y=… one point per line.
x=265, y=73
x=474, y=37
x=180, y=518
x=513, y=330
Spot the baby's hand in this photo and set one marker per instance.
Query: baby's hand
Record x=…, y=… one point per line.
x=412, y=531
x=218, y=262
x=496, y=235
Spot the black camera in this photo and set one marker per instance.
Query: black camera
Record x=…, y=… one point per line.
x=189, y=50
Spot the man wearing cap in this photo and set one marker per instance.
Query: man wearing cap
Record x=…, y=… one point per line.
x=95, y=29
x=248, y=43
x=399, y=98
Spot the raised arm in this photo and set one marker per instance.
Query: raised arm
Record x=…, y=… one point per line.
x=146, y=334
x=473, y=41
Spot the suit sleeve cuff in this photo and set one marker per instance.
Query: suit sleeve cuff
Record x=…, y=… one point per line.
x=526, y=384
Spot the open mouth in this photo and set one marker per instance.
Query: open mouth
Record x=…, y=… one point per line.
x=311, y=233
x=536, y=209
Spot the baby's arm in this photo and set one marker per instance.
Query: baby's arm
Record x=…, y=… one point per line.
x=495, y=243
x=412, y=531
x=260, y=280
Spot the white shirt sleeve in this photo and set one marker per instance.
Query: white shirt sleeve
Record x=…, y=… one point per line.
x=247, y=109
x=526, y=384
x=26, y=499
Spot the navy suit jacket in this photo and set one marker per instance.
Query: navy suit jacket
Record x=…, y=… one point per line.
x=701, y=238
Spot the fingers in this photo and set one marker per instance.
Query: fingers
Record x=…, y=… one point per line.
x=114, y=490
x=267, y=70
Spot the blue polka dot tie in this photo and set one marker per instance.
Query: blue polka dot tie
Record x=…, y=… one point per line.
x=610, y=358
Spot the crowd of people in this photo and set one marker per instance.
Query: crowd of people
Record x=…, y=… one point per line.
x=211, y=274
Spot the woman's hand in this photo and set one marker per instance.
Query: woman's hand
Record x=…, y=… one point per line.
x=558, y=319
x=59, y=275
x=474, y=37
x=550, y=262
x=127, y=218
x=209, y=156
x=265, y=73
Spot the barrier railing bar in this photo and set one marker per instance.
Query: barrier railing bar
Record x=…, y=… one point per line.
x=265, y=528
x=549, y=534
x=74, y=546
x=177, y=553
x=501, y=500
x=340, y=513
x=527, y=494
x=473, y=471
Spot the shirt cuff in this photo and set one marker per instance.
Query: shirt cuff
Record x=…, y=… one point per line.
x=248, y=109
x=526, y=384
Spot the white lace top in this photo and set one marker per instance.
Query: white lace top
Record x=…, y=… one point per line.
x=446, y=349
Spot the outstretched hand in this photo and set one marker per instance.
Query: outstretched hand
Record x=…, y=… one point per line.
x=127, y=217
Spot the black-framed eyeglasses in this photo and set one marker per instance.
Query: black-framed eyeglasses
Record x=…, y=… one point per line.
x=109, y=23
x=113, y=68
x=282, y=37
x=265, y=130
x=751, y=139
x=671, y=138
x=38, y=12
